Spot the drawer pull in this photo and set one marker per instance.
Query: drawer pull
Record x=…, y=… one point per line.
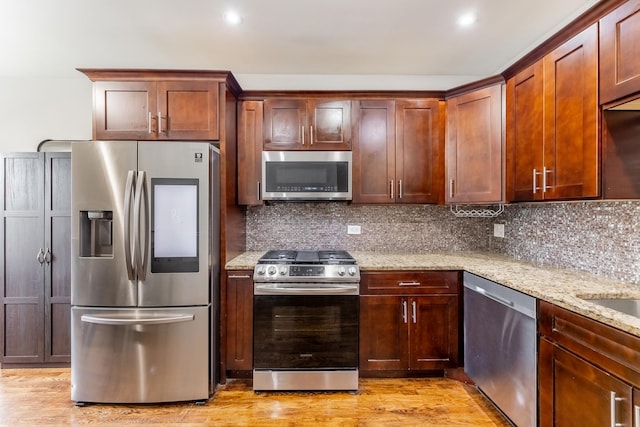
x=234, y=276
x=409, y=283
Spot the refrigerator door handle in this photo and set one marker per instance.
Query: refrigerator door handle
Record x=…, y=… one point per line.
x=128, y=190
x=140, y=198
x=107, y=320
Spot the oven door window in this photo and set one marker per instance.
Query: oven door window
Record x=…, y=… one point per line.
x=305, y=332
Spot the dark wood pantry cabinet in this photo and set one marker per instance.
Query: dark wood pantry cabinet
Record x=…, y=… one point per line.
x=35, y=275
x=307, y=124
x=398, y=151
x=409, y=322
x=589, y=373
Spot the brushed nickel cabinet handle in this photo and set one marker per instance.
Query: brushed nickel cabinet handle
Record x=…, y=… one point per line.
x=414, y=283
x=160, y=122
x=404, y=311
x=310, y=135
x=535, y=179
x=40, y=256
x=259, y=195
x=234, y=276
x=636, y=415
x=614, y=413
x=545, y=171
x=399, y=189
x=414, y=312
x=391, y=188
x=302, y=133
x=47, y=256
x=149, y=127
x=451, y=188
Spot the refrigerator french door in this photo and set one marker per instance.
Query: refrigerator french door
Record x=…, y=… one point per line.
x=144, y=279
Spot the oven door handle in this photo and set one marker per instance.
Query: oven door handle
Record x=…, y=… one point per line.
x=320, y=290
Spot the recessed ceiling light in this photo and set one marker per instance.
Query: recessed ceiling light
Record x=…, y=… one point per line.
x=467, y=19
x=232, y=17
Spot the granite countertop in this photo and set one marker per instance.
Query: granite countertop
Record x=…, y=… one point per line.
x=561, y=287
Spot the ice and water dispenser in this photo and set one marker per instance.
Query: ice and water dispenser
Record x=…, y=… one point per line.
x=96, y=234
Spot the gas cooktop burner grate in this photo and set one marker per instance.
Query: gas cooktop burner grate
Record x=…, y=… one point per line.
x=306, y=257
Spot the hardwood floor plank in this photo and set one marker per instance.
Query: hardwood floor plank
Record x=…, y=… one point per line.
x=37, y=397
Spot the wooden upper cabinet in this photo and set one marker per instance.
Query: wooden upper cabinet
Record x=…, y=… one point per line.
x=157, y=105
x=552, y=124
x=571, y=144
x=307, y=124
x=620, y=52
x=474, y=147
x=188, y=110
x=398, y=151
x=524, y=133
x=170, y=110
x=419, y=151
x=374, y=154
x=250, y=152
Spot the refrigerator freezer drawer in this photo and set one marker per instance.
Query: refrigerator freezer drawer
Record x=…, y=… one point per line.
x=140, y=355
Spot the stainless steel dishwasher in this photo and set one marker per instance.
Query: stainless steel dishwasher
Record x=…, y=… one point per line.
x=500, y=347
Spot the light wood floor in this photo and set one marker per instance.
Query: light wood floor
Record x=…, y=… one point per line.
x=36, y=397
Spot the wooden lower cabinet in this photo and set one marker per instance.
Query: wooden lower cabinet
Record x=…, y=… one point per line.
x=416, y=331
x=589, y=373
x=239, y=323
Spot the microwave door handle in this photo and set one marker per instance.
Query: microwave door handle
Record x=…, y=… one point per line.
x=128, y=190
x=139, y=216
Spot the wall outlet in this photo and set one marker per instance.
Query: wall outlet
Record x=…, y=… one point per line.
x=353, y=229
x=498, y=230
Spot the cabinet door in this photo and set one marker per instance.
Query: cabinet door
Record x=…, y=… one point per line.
x=524, y=134
x=571, y=149
x=22, y=274
x=374, y=160
x=576, y=393
x=239, y=330
x=329, y=125
x=285, y=124
x=433, y=335
x=419, y=151
x=187, y=110
x=124, y=110
x=383, y=333
x=474, y=147
x=57, y=225
x=250, y=153
x=620, y=52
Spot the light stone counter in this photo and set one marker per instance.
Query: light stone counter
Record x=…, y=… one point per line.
x=560, y=287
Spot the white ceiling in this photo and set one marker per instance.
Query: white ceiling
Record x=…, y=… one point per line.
x=282, y=44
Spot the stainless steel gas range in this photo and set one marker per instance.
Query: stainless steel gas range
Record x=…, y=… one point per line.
x=305, y=334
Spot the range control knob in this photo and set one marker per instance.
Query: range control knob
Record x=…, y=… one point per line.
x=271, y=270
x=352, y=271
x=341, y=271
x=283, y=270
x=260, y=270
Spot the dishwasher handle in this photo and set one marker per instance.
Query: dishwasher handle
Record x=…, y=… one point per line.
x=501, y=300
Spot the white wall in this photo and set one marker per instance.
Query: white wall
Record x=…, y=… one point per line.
x=36, y=108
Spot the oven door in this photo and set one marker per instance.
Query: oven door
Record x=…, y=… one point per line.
x=305, y=332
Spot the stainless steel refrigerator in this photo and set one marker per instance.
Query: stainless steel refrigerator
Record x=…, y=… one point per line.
x=145, y=271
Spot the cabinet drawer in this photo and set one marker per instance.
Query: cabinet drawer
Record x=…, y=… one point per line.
x=613, y=350
x=410, y=282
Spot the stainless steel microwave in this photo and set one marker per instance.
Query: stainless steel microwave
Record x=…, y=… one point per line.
x=306, y=175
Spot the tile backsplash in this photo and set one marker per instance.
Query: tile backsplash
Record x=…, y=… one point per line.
x=408, y=228
x=599, y=237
